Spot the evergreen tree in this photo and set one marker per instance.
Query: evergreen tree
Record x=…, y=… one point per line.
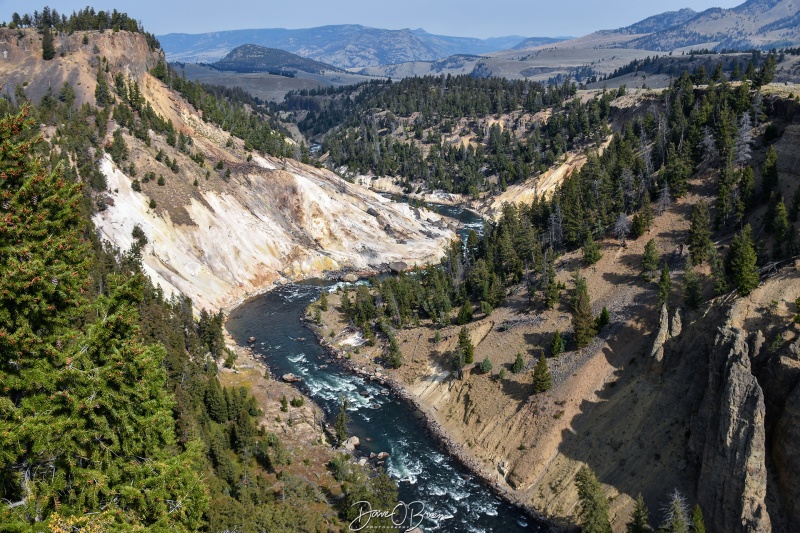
x=583, y=320
x=591, y=251
x=323, y=300
x=691, y=285
x=664, y=286
x=519, y=364
x=770, y=173
x=640, y=519
x=594, y=505
x=780, y=228
x=743, y=262
x=215, y=403
x=395, y=356
x=603, y=320
x=718, y=272
x=464, y=314
x=48, y=50
x=87, y=424
x=557, y=344
x=698, y=525
x=542, y=380
x=486, y=365
x=644, y=218
x=700, y=233
x=552, y=289
x=340, y=426
x=649, y=259
x=465, y=344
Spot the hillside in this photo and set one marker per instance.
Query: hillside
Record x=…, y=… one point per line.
x=697, y=395
x=254, y=58
x=754, y=24
x=345, y=46
x=302, y=221
x=138, y=204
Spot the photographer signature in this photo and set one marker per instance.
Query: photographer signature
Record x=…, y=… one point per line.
x=405, y=516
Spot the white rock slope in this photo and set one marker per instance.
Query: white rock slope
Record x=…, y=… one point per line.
x=269, y=227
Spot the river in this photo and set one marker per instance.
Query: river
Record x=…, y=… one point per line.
x=383, y=423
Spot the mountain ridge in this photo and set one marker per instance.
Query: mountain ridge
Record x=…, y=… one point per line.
x=344, y=45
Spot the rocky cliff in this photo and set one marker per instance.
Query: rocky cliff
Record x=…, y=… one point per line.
x=729, y=440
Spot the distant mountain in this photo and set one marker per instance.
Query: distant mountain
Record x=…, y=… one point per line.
x=533, y=42
x=254, y=58
x=344, y=46
x=661, y=22
x=756, y=23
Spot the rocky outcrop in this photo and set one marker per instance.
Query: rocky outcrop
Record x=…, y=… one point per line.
x=666, y=331
x=787, y=462
x=729, y=441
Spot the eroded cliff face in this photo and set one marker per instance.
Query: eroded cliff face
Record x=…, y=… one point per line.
x=729, y=438
x=266, y=226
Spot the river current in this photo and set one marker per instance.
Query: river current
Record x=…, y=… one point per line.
x=424, y=473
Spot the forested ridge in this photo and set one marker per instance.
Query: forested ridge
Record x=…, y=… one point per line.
x=616, y=194
x=401, y=128
x=112, y=415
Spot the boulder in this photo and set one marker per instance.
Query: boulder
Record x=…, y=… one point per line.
x=383, y=456
x=398, y=266
x=351, y=443
x=291, y=378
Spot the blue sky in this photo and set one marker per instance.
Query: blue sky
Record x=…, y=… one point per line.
x=471, y=18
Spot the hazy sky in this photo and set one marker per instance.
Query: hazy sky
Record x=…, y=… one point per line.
x=472, y=18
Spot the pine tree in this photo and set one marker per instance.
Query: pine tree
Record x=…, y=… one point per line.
x=48, y=50
x=594, y=505
x=557, y=344
x=664, y=286
x=340, y=426
x=743, y=262
x=519, y=364
x=583, y=320
x=465, y=343
x=780, y=228
x=215, y=403
x=98, y=429
x=395, y=356
x=677, y=517
x=486, y=365
x=770, y=173
x=718, y=272
x=603, y=320
x=649, y=259
x=700, y=233
x=542, y=380
x=591, y=251
x=691, y=285
x=323, y=300
x=698, y=525
x=552, y=289
x=640, y=519
x=464, y=314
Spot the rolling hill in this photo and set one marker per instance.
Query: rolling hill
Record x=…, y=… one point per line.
x=254, y=58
